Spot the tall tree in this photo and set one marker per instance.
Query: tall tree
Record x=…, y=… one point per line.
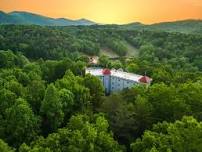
x=51, y=110
x=35, y=93
x=96, y=90
x=20, y=123
x=67, y=101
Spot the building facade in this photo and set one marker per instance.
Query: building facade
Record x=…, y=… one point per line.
x=117, y=80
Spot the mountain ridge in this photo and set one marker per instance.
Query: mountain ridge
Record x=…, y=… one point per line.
x=27, y=18
x=193, y=26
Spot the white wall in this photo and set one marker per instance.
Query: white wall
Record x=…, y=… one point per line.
x=107, y=83
x=118, y=84
x=113, y=84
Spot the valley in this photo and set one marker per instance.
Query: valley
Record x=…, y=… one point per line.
x=49, y=103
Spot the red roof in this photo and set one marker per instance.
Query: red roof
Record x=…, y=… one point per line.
x=106, y=72
x=145, y=79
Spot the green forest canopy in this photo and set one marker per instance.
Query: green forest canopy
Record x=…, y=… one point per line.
x=47, y=103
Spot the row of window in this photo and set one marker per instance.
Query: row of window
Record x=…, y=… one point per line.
x=118, y=85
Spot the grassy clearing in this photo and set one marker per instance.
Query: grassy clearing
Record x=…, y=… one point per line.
x=132, y=51
x=108, y=52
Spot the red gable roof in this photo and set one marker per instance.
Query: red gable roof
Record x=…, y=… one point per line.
x=145, y=79
x=106, y=72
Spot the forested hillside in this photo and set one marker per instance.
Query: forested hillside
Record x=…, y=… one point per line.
x=184, y=26
x=48, y=104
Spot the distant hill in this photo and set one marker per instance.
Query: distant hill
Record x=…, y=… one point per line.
x=26, y=18
x=184, y=26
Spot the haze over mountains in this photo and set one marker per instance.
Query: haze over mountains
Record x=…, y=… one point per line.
x=183, y=26
x=26, y=18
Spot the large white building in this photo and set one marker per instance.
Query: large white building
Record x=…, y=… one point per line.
x=117, y=80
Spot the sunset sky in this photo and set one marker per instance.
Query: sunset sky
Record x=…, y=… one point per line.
x=110, y=11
